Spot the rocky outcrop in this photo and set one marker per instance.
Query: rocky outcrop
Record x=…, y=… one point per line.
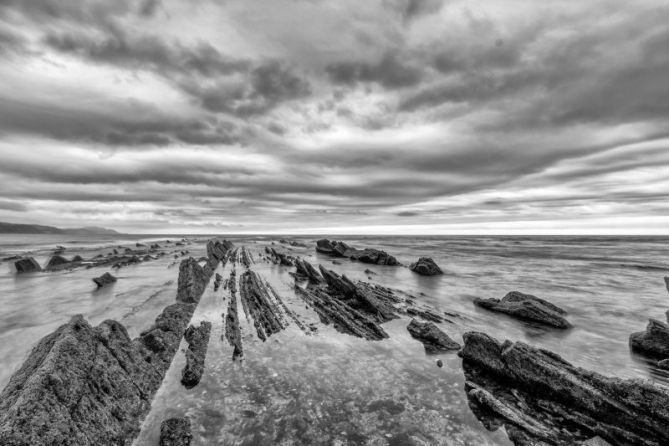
x=305, y=271
x=434, y=340
x=27, y=265
x=217, y=281
x=279, y=258
x=175, y=432
x=219, y=249
x=653, y=342
x=233, y=331
x=367, y=255
x=527, y=307
x=540, y=397
x=267, y=317
x=80, y=385
x=105, y=279
x=192, y=280
x=666, y=282
x=425, y=266
x=56, y=262
x=198, y=340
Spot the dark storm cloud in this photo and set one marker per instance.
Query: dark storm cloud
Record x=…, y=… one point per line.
x=390, y=72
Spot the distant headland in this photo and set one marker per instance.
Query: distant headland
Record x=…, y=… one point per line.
x=11, y=228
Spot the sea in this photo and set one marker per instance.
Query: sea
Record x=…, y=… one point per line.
x=333, y=389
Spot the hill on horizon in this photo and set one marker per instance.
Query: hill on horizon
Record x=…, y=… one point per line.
x=13, y=228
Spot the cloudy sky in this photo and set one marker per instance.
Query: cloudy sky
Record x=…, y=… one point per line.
x=342, y=116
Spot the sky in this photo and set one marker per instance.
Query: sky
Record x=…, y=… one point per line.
x=347, y=116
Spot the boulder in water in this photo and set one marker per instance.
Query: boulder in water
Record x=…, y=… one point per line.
x=432, y=337
x=425, y=266
x=528, y=307
x=104, y=279
x=653, y=342
x=56, y=262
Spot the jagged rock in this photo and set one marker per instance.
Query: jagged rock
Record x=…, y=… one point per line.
x=192, y=281
x=539, y=396
x=339, y=284
x=432, y=337
x=219, y=249
x=279, y=258
x=232, y=328
x=198, y=340
x=56, y=262
x=27, y=265
x=666, y=282
x=424, y=313
x=255, y=297
x=217, y=281
x=77, y=258
x=79, y=386
x=526, y=306
x=175, y=432
x=653, y=342
x=306, y=270
x=367, y=255
x=425, y=266
x=104, y=279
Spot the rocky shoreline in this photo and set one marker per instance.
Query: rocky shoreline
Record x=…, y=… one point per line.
x=89, y=385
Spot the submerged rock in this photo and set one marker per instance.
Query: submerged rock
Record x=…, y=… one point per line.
x=175, y=432
x=56, y=261
x=540, y=397
x=104, y=279
x=198, y=340
x=653, y=342
x=528, y=307
x=27, y=265
x=425, y=266
x=434, y=340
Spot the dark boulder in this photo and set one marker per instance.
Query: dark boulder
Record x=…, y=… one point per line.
x=192, y=281
x=77, y=258
x=540, y=397
x=374, y=256
x=27, y=265
x=56, y=262
x=338, y=284
x=666, y=282
x=198, y=340
x=218, y=249
x=140, y=245
x=432, y=337
x=653, y=342
x=175, y=432
x=104, y=279
x=425, y=266
x=528, y=307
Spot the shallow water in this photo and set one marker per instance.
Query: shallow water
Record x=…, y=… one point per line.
x=331, y=388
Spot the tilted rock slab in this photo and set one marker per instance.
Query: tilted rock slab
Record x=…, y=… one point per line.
x=434, y=340
x=539, y=396
x=84, y=385
x=198, y=340
x=653, y=342
x=528, y=307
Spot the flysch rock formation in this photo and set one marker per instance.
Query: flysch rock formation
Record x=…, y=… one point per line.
x=541, y=399
x=84, y=385
x=425, y=266
x=434, y=340
x=653, y=343
x=233, y=332
x=366, y=255
x=27, y=265
x=261, y=305
x=198, y=340
x=527, y=307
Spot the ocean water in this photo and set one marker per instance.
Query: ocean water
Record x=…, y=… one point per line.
x=331, y=388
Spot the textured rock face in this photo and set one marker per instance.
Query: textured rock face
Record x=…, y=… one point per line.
x=56, y=262
x=425, y=266
x=528, y=307
x=104, y=279
x=653, y=342
x=192, y=280
x=198, y=339
x=539, y=396
x=305, y=270
x=367, y=255
x=432, y=337
x=218, y=249
x=175, y=432
x=27, y=265
x=79, y=386
x=666, y=282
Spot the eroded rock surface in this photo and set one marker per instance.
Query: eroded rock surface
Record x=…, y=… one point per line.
x=56, y=262
x=198, y=340
x=540, y=397
x=306, y=271
x=267, y=317
x=653, y=342
x=425, y=266
x=175, y=432
x=528, y=307
x=434, y=340
x=233, y=331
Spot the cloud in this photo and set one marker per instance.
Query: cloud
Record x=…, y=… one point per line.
x=389, y=72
